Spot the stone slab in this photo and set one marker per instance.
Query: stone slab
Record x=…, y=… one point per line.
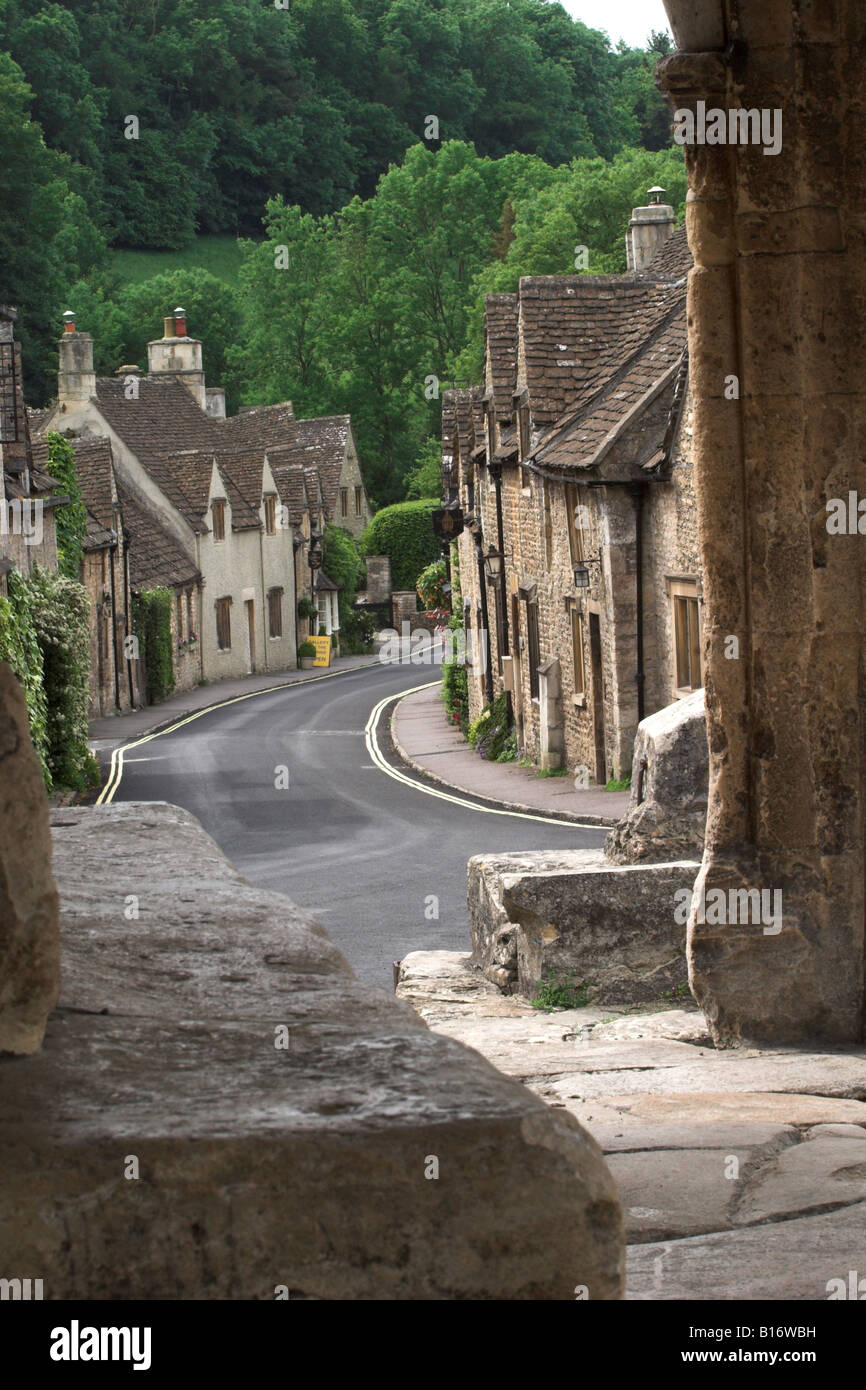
x=822, y=1172
x=671, y=1193
x=679, y=1025
x=711, y=1107
x=786, y=1261
x=308, y=1165
x=834, y=1074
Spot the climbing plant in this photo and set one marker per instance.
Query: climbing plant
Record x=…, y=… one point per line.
x=151, y=616
x=60, y=610
x=19, y=647
x=72, y=517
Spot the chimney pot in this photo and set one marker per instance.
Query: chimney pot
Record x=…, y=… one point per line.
x=180, y=323
x=69, y=321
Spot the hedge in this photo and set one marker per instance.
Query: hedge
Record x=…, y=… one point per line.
x=404, y=533
x=19, y=646
x=151, y=616
x=72, y=518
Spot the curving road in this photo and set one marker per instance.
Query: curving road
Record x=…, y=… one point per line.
x=362, y=850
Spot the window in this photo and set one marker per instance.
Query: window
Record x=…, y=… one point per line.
x=344, y=501
x=275, y=612
x=687, y=636
x=179, y=607
x=218, y=510
x=576, y=523
x=523, y=430
x=190, y=625
x=358, y=503
x=271, y=515
x=577, y=650
x=322, y=605
x=533, y=646
x=224, y=623
x=8, y=395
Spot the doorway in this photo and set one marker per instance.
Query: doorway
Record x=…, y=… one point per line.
x=597, y=699
x=250, y=607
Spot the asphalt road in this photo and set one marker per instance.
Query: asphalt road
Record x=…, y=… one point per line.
x=374, y=859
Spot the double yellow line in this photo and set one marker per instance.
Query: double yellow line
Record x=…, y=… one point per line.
x=116, y=770
x=372, y=742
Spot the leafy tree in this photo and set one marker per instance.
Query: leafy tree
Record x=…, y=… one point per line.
x=342, y=563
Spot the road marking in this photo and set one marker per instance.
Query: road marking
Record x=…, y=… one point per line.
x=384, y=766
x=115, y=773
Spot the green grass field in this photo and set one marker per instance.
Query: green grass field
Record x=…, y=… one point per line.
x=221, y=255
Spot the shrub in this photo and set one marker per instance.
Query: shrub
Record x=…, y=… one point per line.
x=356, y=633
x=305, y=607
x=307, y=648
x=455, y=687
x=61, y=619
x=490, y=735
x=342, y=563
x=151, y=614
x=405, y=534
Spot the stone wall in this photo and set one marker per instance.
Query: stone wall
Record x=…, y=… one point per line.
x=291, y=1128
x=776, y=302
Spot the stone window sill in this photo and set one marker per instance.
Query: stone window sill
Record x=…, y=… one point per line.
x=579, y=701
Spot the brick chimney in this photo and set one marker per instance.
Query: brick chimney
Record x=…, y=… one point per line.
x=76, y=379
x=648, y=229
x=176, y=354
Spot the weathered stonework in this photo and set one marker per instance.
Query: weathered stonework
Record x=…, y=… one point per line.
x=776, y=301
x=668, y=809
x=29, y=933
x=575, y=915
x=307, y=1167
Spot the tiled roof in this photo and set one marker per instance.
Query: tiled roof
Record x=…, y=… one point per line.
x=156, y=559
x=291, y=486
x=319, y=444
x=257, y=427
x=38, y=418
x=163, y=419
x=579, y=329
x=673, y=258
x=583, y=439
x=500, y=322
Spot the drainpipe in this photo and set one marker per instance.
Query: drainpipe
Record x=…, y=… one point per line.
x=495, y=471
x=637, y=492
x=482, y=583
x=129, y=674
x=114, y=625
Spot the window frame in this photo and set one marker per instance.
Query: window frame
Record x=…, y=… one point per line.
x=218, y=519
x=687, y=635
x=275, y=607
x=223, y=613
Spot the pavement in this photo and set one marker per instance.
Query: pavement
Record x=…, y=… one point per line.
x=742, y=1172
x=430, y=744
x=106, y=733
x=292, y=789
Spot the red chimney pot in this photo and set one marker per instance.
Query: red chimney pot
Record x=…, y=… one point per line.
x=180, y=323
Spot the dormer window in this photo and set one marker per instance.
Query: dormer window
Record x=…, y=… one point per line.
x=523, y=430
x=270, y=515
x=218, y=514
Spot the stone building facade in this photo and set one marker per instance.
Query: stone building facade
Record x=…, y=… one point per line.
x=209, y=517
x=573, y=461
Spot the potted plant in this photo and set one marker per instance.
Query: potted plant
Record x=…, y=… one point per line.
x=305, y=608
x=306, y=656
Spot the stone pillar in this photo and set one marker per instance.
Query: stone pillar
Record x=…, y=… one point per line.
x=29, y=907
x=550, y=719
x=777, y=334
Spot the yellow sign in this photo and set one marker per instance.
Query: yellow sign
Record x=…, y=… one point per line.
x=323, y=650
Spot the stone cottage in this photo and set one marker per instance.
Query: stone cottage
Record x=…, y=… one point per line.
x=231, y=537
x=572, y=468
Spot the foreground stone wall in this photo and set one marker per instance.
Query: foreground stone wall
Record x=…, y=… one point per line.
x=29, y=933
x=777, y=302
x=165, y=1144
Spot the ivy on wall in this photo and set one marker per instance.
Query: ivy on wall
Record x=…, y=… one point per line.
x=60, y=609
x=19, y=646
x=45, y=638
x=71, y=518
x=151, y=617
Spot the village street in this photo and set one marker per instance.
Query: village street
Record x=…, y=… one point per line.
x=362, y=851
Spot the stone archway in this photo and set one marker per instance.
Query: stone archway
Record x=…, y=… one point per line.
x=777, y=333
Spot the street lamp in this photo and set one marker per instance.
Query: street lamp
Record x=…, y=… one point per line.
x=493, y=565
x=581, y=572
